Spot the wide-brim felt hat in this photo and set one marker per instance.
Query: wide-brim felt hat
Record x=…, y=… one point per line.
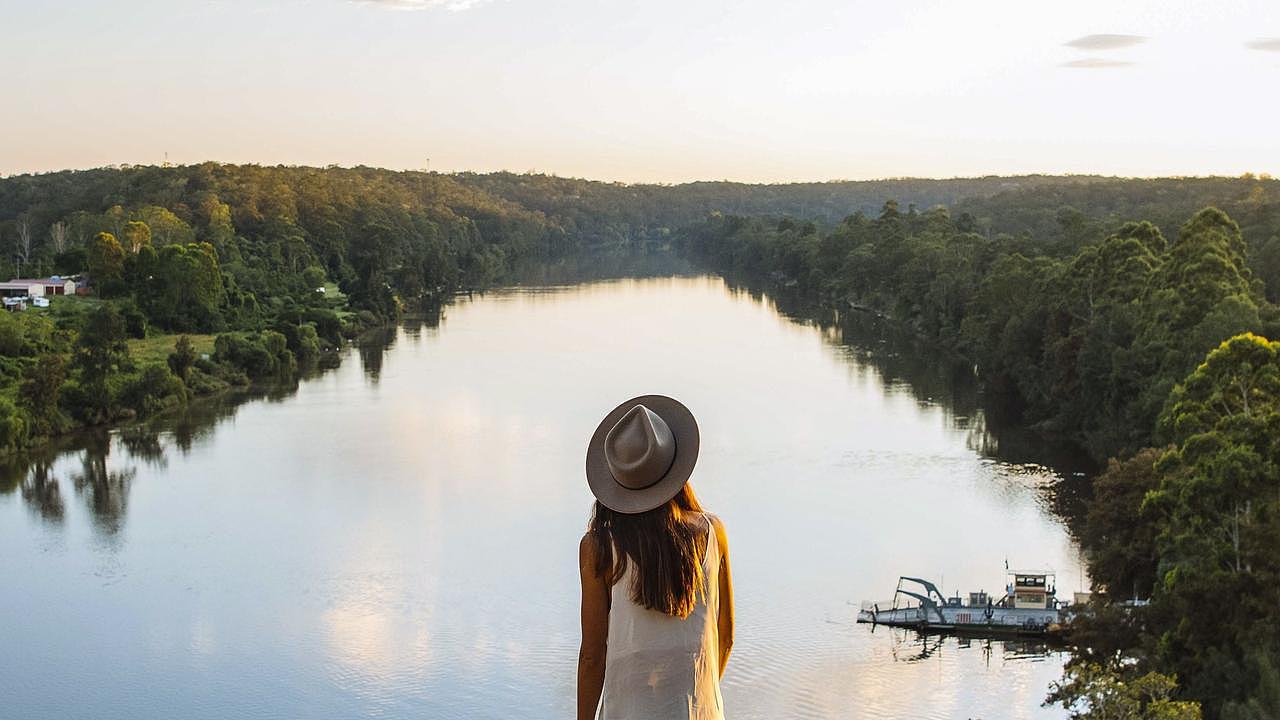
x=642, y=453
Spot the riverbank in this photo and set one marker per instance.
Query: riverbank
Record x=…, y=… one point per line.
x=74, y=370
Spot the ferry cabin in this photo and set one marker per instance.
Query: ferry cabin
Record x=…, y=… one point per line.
x=1031, y=591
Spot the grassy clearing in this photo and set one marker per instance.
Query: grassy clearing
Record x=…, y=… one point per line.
x=157, y=347
x=336, y=300
x=334, y=294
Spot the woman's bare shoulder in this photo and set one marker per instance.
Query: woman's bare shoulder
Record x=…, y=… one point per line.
x=715, y=520
x=587, y=548
x=722, y=538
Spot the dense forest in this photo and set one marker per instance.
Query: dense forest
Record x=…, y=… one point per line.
x=1129, y=316
x=1088, y=343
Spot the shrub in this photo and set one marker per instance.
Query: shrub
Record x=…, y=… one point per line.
x=182, y=357
x=154, y=389
x=25, y=334
x=328, y=325
x=12, y=341
x=260, y=356
x=203, y=383
x=135, y=322
x=94, y=403
x=302, y=340
x=14, y=429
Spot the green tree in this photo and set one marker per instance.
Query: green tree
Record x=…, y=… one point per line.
x=1218, y=508
x=137, y=235
x=189, y=289
x=154, y=389
x=101, y=351
x=40, y=391
x=14, y=430
x=182, y=358
x=165, y=227
x=219, y=230
x=12, y=335
x=313, y=277
x=1120, y=543
x=1093, y=692
x=104, y=261
x=1263, y=702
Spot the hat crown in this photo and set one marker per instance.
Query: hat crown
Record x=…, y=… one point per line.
x=639, y=449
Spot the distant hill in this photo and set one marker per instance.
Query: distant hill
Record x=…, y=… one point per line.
x=488, y=219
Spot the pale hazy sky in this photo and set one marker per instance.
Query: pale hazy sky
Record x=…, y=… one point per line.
x=647, y=90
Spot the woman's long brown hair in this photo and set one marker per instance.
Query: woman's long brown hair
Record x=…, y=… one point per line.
x=667, y=545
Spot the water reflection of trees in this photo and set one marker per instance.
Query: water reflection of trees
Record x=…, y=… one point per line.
x=42, y=493
x=595, y=266
x=427, y=317
x=99, y=466
x=105, y=489
x=373, y=346
x=904, y=360
x=143, y=444
x=105, y=462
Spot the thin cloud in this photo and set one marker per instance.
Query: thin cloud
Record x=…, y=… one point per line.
x=1264, y=44
x=454, y=5
x=1096, y=63
x=1106, y=42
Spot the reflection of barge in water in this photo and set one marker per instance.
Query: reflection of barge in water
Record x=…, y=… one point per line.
x=1029, y=607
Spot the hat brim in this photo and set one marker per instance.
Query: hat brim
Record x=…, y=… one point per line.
x=625, y=500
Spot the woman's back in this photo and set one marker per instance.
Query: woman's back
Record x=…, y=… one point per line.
x=657, y=596
x=659, y=665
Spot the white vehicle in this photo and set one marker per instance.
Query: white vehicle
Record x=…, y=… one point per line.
x=40, y=302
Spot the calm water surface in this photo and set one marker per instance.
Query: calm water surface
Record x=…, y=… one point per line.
x=398, y=538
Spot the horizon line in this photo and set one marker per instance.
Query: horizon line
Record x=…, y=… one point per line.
x=1264, y=176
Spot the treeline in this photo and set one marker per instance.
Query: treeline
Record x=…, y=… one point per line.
x=1088, y=345
x=1058, y=214
x=1064, y=218
x=1133, y=341
x=382, y=237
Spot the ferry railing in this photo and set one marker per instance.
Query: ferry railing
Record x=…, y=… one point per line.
x=883, y=605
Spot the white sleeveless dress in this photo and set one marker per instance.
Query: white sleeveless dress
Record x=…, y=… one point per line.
x=659, y=667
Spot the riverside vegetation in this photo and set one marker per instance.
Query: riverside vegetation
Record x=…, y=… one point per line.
x=1150, y=352
x=1129, y=316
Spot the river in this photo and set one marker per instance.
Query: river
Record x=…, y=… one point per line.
x=397, y=537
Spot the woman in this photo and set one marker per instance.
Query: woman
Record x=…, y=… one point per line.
x=657, y=603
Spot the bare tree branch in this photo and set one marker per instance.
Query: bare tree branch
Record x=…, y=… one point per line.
x=24, y=243
x=58, y=234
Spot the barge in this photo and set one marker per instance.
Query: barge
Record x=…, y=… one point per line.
x=1029, y=606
